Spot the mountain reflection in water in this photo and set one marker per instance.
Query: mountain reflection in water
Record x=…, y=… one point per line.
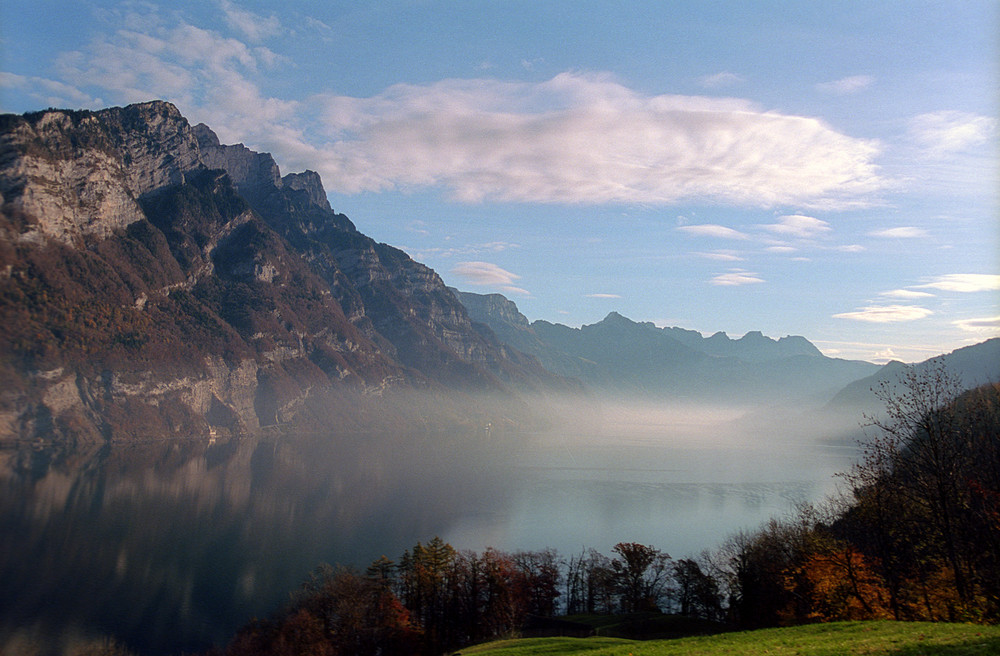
x=172, y=546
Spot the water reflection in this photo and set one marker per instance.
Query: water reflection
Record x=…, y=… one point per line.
x=172, y=546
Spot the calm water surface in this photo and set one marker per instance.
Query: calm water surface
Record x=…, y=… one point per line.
x=172, y=546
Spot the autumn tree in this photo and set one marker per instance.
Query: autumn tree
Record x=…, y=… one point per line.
x=590, y=583
x=926, y=489
x=541, y=570
x=425, y=574
x=337, y=612
x=641, y=574
x=695, y=592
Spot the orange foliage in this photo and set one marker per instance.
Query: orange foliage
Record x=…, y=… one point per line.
x=836, y=584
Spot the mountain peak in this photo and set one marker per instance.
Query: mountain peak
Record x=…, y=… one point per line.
x=615, y=317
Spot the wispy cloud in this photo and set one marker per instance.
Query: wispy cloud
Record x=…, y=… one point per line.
x=51, y=93
x=906, y=293
x=253, y=26
x=735, y=278
x=713, y=230
x=886, y=314
x=903, y=232
x=946, y=132
x=964, y=282
x=799, y=226
x=497, y=246
x=603, y=296
x=719, y=80
x=419, y=227
x=847, y=85
x=722, y=256
x=577, y=138
x=985, y=326
x=585, y=138
x=488, y=274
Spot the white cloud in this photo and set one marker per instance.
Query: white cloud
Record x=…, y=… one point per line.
x=497, y=246
x=51, y=93
x=905, y=232
x=946, y=132
x=964, y=282
x=850, y=248
x=713, y=230
x=719, y=80
x=906, y=293
x=984, y=326
x=250, y=24
x=886, y=314
x=603, y=296
x=486, y=273
x=797, y=225
x=588, y=139
x=781, y=249
x=418, y=227
x=735, y=278
x=847, y=85
x=722, y=256
x=576, y=138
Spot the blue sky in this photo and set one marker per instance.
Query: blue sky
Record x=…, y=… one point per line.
x=826, y=169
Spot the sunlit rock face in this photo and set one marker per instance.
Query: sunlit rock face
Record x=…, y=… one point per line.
x=156, y=282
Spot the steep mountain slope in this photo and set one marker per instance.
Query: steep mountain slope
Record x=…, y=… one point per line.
x=621, y=356
x=154, y=281
x=971, y=366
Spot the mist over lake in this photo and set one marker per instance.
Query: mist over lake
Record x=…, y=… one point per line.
x=173, y=545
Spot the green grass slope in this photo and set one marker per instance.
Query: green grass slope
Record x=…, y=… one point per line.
x=835, y=639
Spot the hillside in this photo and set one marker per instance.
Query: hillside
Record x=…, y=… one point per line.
x=155, y=282
x=836, y=639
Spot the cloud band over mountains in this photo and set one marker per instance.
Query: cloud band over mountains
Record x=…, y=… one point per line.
x=577, y=138
x=586, y=138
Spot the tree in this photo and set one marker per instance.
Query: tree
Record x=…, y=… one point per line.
x=425, y=578
x=590, y=583
x=542, y=576
x=926, y=493
x=337, y=612
x=696, y=593
x=641, y=573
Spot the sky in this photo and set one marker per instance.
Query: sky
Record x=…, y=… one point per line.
x=825, y=169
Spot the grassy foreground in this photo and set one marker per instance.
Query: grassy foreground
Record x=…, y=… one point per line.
x=835, y=639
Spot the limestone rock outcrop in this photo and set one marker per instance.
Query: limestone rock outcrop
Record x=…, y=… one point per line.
x=156, y=282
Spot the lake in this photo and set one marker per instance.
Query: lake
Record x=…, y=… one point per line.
x=171, y=546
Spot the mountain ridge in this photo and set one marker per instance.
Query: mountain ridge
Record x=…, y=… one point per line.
x=157, y=283
x=621, y=355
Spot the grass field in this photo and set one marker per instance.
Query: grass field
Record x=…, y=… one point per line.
x=835, y=639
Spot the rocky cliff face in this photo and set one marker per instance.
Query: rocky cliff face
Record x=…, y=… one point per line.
x=154, y=281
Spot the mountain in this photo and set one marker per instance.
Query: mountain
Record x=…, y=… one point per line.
x=622, y=357
x=156, y=282
x=970, y=366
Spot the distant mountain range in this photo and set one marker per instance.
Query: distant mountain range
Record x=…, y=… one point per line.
x=619, y=356
x=155, y=282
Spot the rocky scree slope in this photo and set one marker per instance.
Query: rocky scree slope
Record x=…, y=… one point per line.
x=155, y=282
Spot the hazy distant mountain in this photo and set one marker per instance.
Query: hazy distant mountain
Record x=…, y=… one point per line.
x=971, y=365
x=156, y=282
x=621, y=356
